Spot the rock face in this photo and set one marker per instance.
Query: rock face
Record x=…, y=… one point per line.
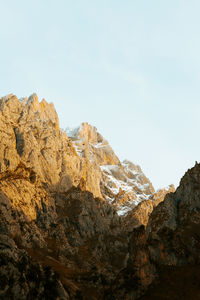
x=63, y=245
x=160, y=194
x=173, y=234
x=177, y=217
x=56, y=239
x=140, y=214
x=30, y=134
x=76, y=223
x=121, y=183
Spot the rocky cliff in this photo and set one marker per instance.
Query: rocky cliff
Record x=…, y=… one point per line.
x=76, y=223
x=121, y=183
x=67, y=245
x=173, y=233
x=140, y=214
x=30, y=134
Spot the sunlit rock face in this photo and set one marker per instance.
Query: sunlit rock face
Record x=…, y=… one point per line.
x=56, y=239
x=76, y=223
x=121, y=183
x=64, y=245
x=30, y=134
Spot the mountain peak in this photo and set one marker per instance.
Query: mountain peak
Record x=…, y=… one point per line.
x=121, y=183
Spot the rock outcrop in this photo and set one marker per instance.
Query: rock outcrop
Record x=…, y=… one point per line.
x=140, y=214
x=173, y=234
x=76, y=223
x=56, y=239
x=63, y=245
x=30, y=134
x=121, y=183
x=174, y=225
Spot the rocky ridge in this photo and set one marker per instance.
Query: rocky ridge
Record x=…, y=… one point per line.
x=173, y=234
x=121, y=183
x=31, y=134
x=60, y=234
x=140, y=214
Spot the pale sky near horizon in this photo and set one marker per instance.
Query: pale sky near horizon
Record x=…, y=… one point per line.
x=131, y=68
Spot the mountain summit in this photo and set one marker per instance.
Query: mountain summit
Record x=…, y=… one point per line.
x=32, y=136
x=121, y=183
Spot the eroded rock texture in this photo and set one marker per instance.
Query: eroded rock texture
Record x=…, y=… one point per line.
x=60, y=237
x=67, y=245
x=140, y=214
x=121, y=183
x=173, y=234
x=76, y=223
x=30, y=134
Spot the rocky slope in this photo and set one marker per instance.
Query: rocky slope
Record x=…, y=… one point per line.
x=30, y=134
x=62, y=245
x=50, y=220
x=121, y=183
x=63, y=231
x=173, y=233
x=177, y=217
x=140, y=214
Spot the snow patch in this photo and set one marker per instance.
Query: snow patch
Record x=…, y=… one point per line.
x=72, y=132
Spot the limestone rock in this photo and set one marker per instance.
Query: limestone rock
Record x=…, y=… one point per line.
x=90, y=144
x=61, y=236
x=30, y=134
x=173, y=241
x=70, y=240
x=56, y=238
x=121, y=183
x=160, y=194
x=174, y=224
x=140, y=214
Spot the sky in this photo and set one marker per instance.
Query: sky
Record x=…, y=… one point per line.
x=131, y=68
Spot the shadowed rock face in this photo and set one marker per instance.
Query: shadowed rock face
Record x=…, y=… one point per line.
x=50, y=223
x=73, y=238
x=173, y=240
x=60, y=235
x=174, y=225
x=140, y=214
x=74, y=246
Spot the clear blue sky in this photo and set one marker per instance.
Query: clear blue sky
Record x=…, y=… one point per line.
x=131, y=68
